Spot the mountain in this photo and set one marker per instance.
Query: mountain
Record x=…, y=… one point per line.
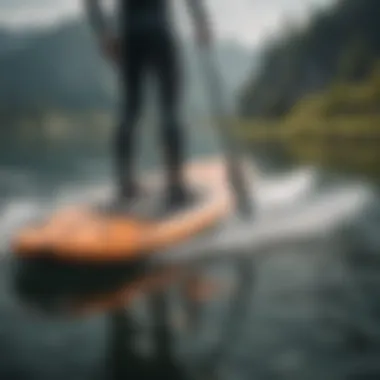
x=11, y=41
x=339, y=44
x=62, y=68
x=55, y=68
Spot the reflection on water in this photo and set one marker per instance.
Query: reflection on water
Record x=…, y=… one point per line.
x=313, y=314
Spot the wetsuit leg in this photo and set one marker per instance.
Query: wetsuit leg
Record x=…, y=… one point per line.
x=132, y=77
x=167, y=71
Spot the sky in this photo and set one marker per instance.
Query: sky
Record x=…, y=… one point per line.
x=247, y=21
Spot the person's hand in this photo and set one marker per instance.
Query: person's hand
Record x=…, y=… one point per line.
x=111, y=48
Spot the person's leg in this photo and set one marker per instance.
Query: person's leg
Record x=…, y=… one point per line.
x=168, y=75
x=132, y=72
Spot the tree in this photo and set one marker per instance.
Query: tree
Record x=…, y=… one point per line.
x=356, y=60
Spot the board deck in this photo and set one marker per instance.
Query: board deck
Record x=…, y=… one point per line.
x=89, y=233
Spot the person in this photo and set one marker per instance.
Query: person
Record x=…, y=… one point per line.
x=146, y=41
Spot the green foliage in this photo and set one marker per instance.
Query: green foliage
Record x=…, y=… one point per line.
x=338, y=129
x=342, y=99
x=342, y=128
x=339, y=45
x=322, y=85
x=356, y=60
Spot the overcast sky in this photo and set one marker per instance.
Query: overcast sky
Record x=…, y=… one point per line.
x=246, y=20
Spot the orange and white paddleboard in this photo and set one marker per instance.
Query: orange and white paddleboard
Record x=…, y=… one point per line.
x=84, y=233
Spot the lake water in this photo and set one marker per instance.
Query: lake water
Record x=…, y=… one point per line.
x=311, y=315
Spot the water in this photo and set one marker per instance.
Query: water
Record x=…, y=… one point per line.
x=312, y=314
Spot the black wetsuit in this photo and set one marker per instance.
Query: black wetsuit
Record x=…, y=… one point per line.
x=149, y=47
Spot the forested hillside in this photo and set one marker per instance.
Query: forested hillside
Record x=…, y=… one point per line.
x=341, y=44
x=62, y=68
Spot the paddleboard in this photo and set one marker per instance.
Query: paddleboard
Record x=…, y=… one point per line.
x=88, y=233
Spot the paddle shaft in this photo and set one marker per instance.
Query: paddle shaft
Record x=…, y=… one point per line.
x=230, y=147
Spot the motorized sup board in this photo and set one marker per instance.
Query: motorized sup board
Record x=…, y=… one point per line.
x=89, y=234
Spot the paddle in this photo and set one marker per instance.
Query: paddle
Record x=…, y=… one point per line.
x=230, y=146
x=232, y=153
